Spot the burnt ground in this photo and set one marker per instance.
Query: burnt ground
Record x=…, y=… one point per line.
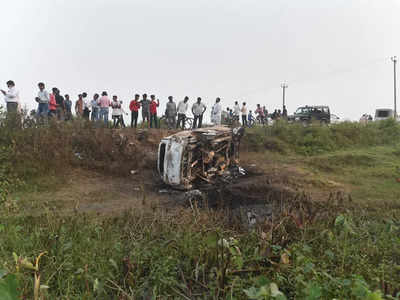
x=260, y=194
x=130, y=181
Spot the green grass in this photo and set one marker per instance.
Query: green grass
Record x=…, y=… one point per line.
x=370, y=173
x=182, y=255
x=320, y=250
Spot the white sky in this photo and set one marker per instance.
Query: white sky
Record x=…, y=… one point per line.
x=334, y=52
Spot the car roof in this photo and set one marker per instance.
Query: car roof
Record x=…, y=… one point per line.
x=312, y=106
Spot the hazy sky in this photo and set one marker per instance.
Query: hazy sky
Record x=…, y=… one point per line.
x=334, y=52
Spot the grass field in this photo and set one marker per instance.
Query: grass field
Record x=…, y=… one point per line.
x=123, y=240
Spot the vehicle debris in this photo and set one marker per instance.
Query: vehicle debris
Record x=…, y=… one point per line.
x=200, y=155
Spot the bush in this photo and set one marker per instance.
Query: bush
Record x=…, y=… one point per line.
x=317, y=139
x=196, y=254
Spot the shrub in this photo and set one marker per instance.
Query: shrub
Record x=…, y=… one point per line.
x=317, y=139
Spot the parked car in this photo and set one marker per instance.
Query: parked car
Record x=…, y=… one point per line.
x=383, y=114
x=307, y=114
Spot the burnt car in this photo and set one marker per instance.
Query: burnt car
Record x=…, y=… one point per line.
x=308, y=114
x=200, y=155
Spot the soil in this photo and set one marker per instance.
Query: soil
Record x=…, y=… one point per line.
x=130, y=181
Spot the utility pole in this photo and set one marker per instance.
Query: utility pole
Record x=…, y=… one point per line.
x=394, y=60
x=284, y=86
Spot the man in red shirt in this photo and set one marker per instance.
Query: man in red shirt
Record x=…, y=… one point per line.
x=134, y=106
x=53, y=103
x=153, y=111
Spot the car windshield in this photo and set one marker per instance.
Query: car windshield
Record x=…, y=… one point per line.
x=302, y=110
x=309, y=109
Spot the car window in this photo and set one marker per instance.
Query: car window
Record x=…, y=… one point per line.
x=382, y=113
x=317, y=110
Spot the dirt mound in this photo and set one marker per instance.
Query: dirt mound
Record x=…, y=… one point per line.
x=120, y=151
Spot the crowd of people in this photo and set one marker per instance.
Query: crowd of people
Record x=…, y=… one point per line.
x=54, y=105
x=248, y=118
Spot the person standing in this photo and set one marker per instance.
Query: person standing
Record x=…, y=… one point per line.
x=121, y=115
x=244, y=114
x=68, y=108
x=260, y=114
x=250, y=118
x=11, y=97
x=86, y=106
x=265, y=110
x=60, y=104
x=79, y=106
x=198, y=110
x=104, y=103
x=216, y=112
x=116, y=111
x=225, y=116
x=53, y=104
x=170, y=113
x=236, y=112
x=153, y=111
x=284, y=112
x=43, y=100
x=134, y=107
x=95, y=108
x=145, y=103
x=265, y=115
x=182, y=109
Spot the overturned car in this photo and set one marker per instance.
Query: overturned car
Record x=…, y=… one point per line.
x=200, y=155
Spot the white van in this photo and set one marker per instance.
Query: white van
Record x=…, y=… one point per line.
x=383, y=114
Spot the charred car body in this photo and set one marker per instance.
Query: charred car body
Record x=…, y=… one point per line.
x=200, y=155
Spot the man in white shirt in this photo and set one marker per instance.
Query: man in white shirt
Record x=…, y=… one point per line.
x=244, y=114
x=216, y=112
x=95, y=107
x=43, y=100
x=182, y=109
x=11, y=97
x=116, y=111
x=198, y=110
x=86, y=106
x=236, y=112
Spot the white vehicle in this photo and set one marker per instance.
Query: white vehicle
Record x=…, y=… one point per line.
x=199, y=155
x=383, y=114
